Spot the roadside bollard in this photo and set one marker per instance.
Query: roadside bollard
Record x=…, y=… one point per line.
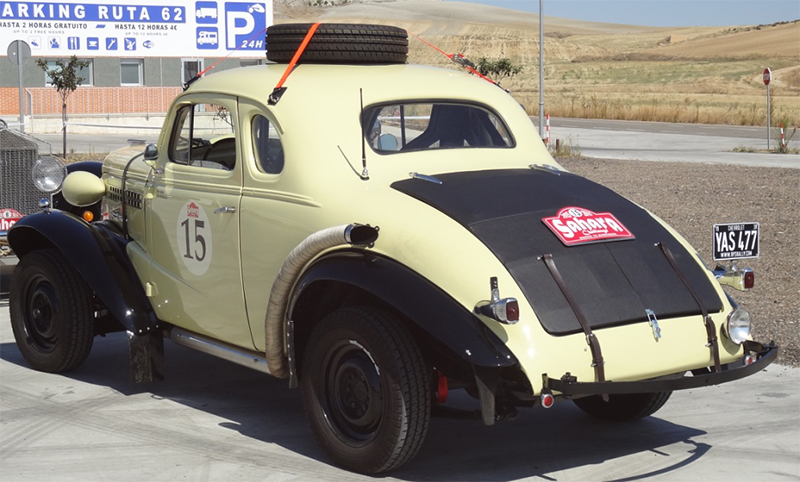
x=783, y=139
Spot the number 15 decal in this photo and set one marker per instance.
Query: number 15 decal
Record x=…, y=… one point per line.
x=194, y=238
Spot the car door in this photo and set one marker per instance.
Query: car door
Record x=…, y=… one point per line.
x=276, y=217
x=194, y=222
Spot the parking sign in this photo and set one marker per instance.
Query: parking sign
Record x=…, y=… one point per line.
x=138, y=28
x=245, y=24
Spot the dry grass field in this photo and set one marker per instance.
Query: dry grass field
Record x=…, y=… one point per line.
x=597, y=70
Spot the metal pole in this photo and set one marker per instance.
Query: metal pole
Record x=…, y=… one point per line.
x=541, y=69
x=769, y=119
x=20, y=64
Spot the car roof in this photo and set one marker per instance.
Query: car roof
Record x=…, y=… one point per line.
x=376, y=83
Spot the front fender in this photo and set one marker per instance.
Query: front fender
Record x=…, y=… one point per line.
x=422, y=302
x=58, y=201
x=98, y=254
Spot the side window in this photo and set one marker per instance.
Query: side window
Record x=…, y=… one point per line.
x=204, y=136
x=267, y=146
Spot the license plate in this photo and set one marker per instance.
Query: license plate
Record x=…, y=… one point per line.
x=735, y=241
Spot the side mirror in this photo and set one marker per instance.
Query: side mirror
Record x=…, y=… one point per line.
x=150, y=154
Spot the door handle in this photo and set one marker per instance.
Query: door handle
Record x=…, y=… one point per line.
x=224, y=210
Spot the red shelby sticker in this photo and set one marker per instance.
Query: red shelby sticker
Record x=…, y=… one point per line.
x=574, y=225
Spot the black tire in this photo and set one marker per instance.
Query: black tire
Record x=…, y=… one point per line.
x=625, y=407
x=338, y=43
x=365, y=390
x=51, y=312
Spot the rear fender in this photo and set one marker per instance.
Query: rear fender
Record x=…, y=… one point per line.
x=427, y=306
x=98, y=254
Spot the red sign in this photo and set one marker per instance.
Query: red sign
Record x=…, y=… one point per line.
x=193, y=211
x=9, y=217
x=574, y=225
x=767, y=76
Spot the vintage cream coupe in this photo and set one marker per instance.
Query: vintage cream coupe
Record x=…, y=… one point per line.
x=378, y=234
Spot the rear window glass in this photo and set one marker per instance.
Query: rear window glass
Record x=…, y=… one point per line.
x=433, y=125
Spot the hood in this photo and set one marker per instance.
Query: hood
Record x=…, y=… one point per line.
x=606, y=249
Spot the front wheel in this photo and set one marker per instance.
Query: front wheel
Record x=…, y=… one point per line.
x=51, y=312
x=365, y=392
x=623, y=407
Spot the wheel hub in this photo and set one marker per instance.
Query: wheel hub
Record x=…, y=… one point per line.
x=357, y=400
x=40, y=324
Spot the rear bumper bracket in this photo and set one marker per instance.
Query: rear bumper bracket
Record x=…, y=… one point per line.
x=568, y=385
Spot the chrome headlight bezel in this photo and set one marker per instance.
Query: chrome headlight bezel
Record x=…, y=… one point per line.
x=738, y=325
x=48, y=174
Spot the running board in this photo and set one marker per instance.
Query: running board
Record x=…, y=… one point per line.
x=240, y=356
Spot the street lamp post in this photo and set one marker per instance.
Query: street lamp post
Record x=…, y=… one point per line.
x=541, y=69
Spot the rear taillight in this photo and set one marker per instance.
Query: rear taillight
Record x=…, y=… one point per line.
x=749, y=279
x=505, y=310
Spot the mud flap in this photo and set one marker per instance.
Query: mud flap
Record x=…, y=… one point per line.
x=487, y=385
x=147, y=357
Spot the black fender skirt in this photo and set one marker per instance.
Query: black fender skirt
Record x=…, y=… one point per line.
x=98, y=254
x=418, y=299
x=614, y=282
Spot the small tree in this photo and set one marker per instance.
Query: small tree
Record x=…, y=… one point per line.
x=498, y=69
x=65, y=78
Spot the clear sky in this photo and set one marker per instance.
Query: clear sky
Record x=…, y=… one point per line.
x=662, y=13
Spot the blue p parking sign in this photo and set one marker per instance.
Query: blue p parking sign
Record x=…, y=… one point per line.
x=245, y=25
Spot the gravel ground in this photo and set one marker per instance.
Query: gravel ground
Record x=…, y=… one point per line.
x=692, y=197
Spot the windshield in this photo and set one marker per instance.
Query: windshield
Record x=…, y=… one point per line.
x=433, y=125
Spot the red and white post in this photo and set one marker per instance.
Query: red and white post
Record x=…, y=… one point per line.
x=547, y=130
x=783, y=139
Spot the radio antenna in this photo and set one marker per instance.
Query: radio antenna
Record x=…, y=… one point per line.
x=364, y=171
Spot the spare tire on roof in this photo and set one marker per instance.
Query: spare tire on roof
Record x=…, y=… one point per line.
x=338, y=43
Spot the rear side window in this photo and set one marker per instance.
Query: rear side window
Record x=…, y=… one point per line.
x=267, y=146
x=433, y=125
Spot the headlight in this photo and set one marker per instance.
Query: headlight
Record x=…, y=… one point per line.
x=737, y=329
x=48, y=174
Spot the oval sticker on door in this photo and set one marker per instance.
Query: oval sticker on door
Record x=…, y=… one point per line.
x=194, y=238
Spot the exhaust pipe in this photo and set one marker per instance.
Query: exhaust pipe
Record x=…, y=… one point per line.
x=308, y=249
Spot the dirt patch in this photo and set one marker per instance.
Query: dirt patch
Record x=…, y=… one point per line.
x=692, y=197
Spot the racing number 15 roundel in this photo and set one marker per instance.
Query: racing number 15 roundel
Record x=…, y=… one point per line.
x=574, y=226
x=194, y=238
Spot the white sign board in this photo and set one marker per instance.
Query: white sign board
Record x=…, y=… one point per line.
x=126, y=28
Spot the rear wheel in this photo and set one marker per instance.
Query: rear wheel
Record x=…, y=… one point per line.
x=338, y=43
x=365, y=390
x=51, y=312
x=629, y=406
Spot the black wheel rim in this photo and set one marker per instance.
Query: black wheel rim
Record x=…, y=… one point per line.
x=352, y=393
x=39, y=316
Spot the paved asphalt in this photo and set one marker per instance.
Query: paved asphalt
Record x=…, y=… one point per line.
x=658, y=141
x=213, y=420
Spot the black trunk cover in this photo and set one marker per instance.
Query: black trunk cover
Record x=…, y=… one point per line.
x=613, y=282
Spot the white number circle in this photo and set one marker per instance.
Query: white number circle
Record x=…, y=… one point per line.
x=194, y=238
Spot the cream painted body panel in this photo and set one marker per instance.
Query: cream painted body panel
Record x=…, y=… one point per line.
x=318, y=122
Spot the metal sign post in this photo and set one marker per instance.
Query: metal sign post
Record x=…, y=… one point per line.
x=767, y=78
x=19, y=53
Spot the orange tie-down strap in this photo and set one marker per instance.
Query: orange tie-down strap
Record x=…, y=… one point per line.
x=457, y=58
x=279, y=89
